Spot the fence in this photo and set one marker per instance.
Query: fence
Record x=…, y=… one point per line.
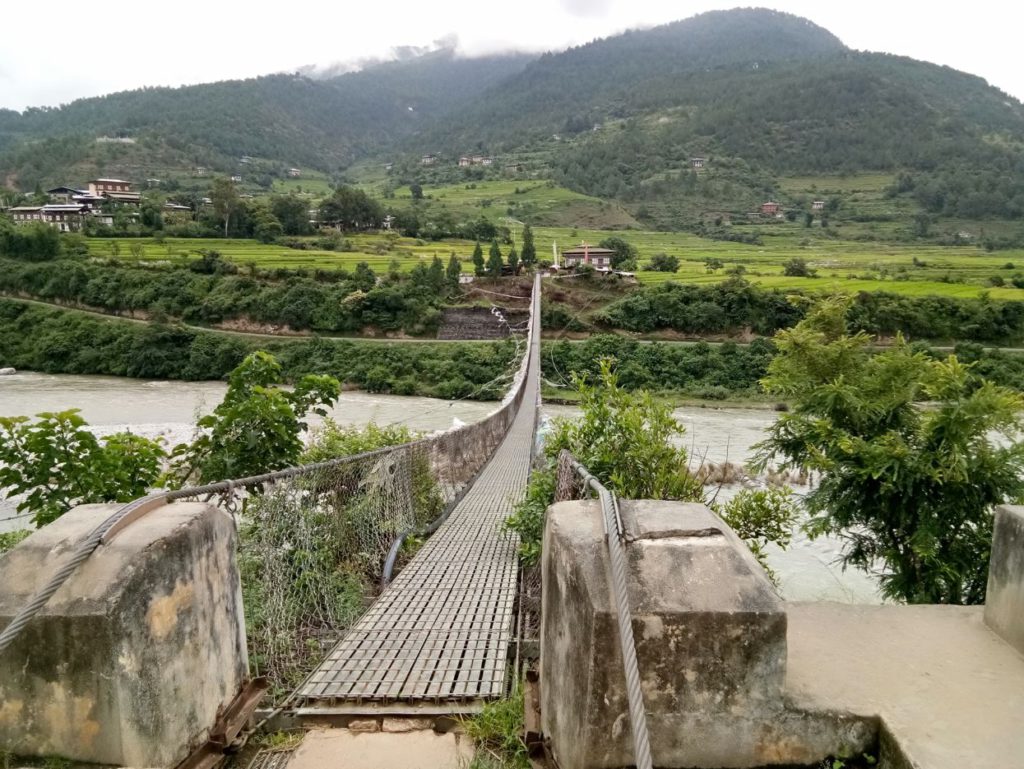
x=314, y=537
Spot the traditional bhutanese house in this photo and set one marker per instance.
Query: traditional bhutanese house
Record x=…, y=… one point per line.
x=486, y=161
x=770, y=208
x=596, y=257
x=100, y=187
x=236, y=178
x=428, y=160
x=818, y=205
x=124, y=198
x=26, y=214
x=65, y=194
x=175, y=213
x=697, y=162
x=66, y=217
x=465, y=161
x=294, y=173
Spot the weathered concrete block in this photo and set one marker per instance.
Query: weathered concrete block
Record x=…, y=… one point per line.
x=130, y=661
x=710, y=633
x=1004, y=602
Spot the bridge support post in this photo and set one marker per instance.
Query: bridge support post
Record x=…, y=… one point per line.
x=710, y=635
x=133, y=658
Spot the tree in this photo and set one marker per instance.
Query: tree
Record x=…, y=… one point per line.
x=224, y=197
x=628, y=440
x=663, y=263
x=494, y=263
x=808, y=219
x=528, y=256
x=478, y=260
x=266, y=227
x=453, y=272
x=513, y=260
x=416, y=190
x=625, y=254
x=292, y=212
x=798, y=268
x=351, y=209
x=257, y=428
x=57, y=463
x=909, y=487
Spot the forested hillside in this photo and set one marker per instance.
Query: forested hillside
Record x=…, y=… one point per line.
x=297, y=120
x=758, y=93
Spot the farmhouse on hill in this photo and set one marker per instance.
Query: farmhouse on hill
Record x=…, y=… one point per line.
x=771, y=208
x=596, y=257
x=818, y=205
x=697, y=162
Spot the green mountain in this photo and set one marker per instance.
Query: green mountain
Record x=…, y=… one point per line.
x=291, y=119
x=758, y=93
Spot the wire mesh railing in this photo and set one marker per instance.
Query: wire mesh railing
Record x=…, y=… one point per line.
x=315, y=538
x=574, y=481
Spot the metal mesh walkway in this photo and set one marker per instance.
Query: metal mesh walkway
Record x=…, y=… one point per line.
x=441, y=631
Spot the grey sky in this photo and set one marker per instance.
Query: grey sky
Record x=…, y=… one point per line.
x=116, y=46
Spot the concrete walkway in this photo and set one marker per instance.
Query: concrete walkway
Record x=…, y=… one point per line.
x=342, y=749
x=948, y=689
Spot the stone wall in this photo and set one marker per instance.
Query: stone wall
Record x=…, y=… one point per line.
x=711, y=646
x=1004, y=602
x=477, y=323
x=130, y=662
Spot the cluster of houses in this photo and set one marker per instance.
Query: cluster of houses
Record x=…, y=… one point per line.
x=464, y=161
x=70, y=208
x=773, y=209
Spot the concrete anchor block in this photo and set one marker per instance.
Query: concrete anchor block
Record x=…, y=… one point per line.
x=133, y=658
x=710, y=634
x=1004, y=600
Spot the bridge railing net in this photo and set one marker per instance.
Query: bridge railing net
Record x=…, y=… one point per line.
x=312, y=544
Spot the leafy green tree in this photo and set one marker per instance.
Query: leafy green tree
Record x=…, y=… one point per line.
x=494, y=262
x=257, y=428
x=513, y=260
x=57, y=463
x=798, y=268
x=293, y=214
x=626, y=439
x=266, y=227
x=625, y=254
x=224, y=196
x=351, y=209
x=453, y=271
x=416, y=190
x=663, y=263
x=808, y=219
x=913, y=454
x=478, y=260
x=528, y=256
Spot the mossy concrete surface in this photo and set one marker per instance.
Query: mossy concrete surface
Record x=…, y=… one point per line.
x=1004, y=601
x=711, y=646
x=948, y=690
x=131, y=660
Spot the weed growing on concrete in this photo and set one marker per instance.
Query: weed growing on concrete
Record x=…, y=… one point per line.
x=497, y=733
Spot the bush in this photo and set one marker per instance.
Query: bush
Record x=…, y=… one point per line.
x=663, y=263
x=57, y=463
x=760, y=516
x=798, y=268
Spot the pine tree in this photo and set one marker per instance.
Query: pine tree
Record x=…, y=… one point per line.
x=453, y=272
x=529, y=254
x=494, y=262
x=513, y=260
x=478, y=260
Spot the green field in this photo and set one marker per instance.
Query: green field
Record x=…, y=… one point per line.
x=376, y=250
x=961, y=271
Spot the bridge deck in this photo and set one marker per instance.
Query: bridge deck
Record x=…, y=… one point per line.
x=441, y=631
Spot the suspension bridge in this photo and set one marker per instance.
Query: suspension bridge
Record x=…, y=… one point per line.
x=440, y=633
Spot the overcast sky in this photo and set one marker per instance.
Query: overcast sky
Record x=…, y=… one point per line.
x=53, y=53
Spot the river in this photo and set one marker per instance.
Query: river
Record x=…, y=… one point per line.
x=168, y=410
